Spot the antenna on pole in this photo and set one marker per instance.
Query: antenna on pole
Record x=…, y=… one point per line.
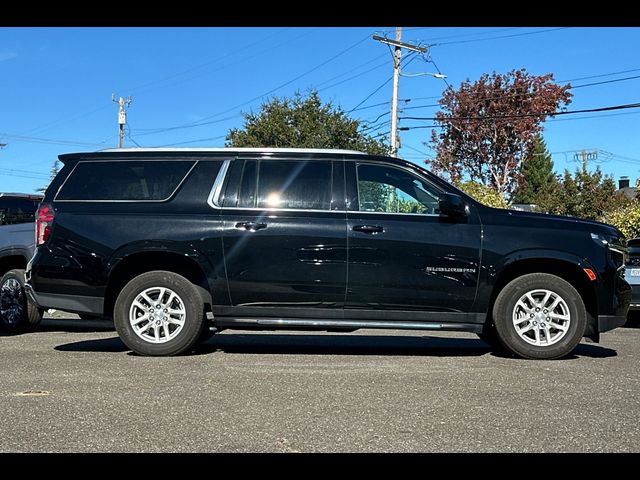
x=122, y=115
x=397, y=56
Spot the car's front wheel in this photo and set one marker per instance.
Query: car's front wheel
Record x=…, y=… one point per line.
x=159, y=313
x=17, y=313
x=539, y=316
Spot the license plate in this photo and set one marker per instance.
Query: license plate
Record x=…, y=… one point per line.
x=635, y=272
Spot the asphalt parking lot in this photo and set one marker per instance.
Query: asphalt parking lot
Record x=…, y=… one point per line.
x=73, y=387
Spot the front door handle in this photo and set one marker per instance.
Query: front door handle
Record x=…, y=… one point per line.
x=368, y=228
x=250, y=226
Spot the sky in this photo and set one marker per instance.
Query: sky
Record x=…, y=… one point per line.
x=190, y=85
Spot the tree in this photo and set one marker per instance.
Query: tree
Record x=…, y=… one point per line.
x=488, y=126
x=55, y=168
x=537, y=183
x=484, y=194
x=626, y=219
x=303, y=122
x=587, y=195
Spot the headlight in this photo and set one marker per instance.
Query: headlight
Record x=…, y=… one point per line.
x=600, y=238
x=619, y=254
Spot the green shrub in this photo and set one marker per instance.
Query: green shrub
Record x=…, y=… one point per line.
x=484, y=194
x=626, y=219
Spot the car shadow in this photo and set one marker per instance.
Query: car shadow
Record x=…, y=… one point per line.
x=333, y=344
x=588, y=350
x=633, y=319
x=69, y=325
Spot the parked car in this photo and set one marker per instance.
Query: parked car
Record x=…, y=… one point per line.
x=174, y=242
x=632, y=272
x=17, y=243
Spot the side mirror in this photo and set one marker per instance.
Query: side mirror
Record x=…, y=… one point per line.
x=453, y=205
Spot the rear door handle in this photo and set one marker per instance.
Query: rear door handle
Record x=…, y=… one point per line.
x=250, y=226
x=368, y=228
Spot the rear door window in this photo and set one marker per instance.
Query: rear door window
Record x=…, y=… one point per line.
x=141, y=180
x=301, y=185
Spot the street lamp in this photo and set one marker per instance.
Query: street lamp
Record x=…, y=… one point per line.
x=434, y=75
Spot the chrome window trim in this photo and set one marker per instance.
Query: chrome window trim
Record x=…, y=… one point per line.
x=415, y=215
x=186, y=175
x=276, y=210
x=214, y=195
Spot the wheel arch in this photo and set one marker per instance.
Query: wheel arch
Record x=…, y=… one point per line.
x=12, y=260
x=568, y=269
x=134, y=264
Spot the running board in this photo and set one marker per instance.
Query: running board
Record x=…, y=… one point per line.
x=228, y=322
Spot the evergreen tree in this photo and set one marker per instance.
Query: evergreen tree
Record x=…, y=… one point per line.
x=538, y=183
x=55, y=168
x=587, y=195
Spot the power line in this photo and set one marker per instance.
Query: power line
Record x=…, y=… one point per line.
x=217, y=59
x=371, y=94
x=600, y=75
x=502, y=36
x=459, y=35
x=24, y=138
x=415, y=149
x=194, y=141
x=372, y=106
x=593, y=116
x=524, y=94
x=573, y=87
x=413, y=107
x=351, y=70
x=130, y=137
x=53, y=123
x=166, y=129
x=438, y=70
x=523, y=115
x=378, y=117
x=192, y=124
x=553, y=120
x=13, y=172
x=353, y=77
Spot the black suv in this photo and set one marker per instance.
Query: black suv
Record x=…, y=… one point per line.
x=174, y=244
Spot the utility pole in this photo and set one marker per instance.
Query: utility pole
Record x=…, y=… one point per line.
x=397, y=56
x=122, y=115
x=584, y=156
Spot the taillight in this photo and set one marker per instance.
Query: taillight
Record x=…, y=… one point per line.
x=44, y=221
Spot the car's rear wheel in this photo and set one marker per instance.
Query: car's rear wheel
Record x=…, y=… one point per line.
x=17, y=313
x=159, y=313
x=539, y=316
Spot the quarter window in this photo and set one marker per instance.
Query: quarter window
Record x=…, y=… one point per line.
x=124, y=180
x=391, y=190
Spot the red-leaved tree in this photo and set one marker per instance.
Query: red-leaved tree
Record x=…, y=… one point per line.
x=489, y=125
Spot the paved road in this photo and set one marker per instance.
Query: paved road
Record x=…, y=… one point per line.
x=367, y=391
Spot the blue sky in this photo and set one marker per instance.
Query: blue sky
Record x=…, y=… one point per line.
x=57, y=85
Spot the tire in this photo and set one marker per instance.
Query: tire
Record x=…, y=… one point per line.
x=181, y=306
x=529, y=330
x=17, y=313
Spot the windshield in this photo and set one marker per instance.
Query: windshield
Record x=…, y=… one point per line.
x=17, y=210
